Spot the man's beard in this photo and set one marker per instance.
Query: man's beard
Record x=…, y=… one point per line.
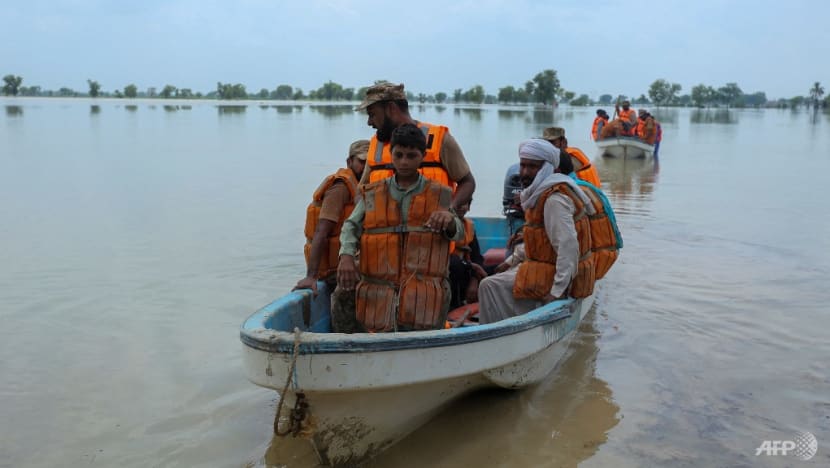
x=384, y=133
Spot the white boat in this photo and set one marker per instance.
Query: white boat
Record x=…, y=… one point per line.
x=354, y=395
x=625, y=147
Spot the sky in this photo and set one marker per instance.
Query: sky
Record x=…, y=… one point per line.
x=597, y=47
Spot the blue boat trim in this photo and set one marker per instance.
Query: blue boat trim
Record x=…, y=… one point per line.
x=282, y=340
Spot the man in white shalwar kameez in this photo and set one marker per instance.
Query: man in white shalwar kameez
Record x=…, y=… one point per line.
x=538, y=164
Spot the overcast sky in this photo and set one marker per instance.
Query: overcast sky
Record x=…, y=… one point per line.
x=596, y=47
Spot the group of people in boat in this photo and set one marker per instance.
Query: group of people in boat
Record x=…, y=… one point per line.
x=627, y=123
x=389, y=232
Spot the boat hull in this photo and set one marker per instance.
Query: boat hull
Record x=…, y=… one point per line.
x=367, y=391
x=622, y=147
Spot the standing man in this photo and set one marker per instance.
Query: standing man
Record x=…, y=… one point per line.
x=581, y=163
x=444, y=162
x=557, y=237
x=331, y=204
x=628, y=118
x=403, y=226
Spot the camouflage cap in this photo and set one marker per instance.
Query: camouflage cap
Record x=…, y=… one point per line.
x=382, y=92
x=552, y=133
x=359, y=149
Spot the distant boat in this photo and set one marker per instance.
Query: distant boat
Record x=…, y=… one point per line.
x=625, y=147
x=354, y=395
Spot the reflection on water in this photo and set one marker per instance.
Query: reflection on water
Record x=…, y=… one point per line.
x=473, y=113
x=625, y=178
x=542, y=115
x=439, y=108
x=14, y=111
x=332, y=111
x=720, y=116
x=506, y=114
x=131, y=107
x=565, y=419
x=168, y=108
x=94, y=109
x=227, y=109
x=665, y=115
x=284, y=109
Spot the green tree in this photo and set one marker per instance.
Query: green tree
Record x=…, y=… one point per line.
x=263, y=93
x=582, y=100
x=94, y=88
x=730, y=94
x=703, y=96
x=530, y=87
x=474, y=94
x=229, y=91
x=440, y=97
x=330, y=91
x=606, y=99
x=663, y=93
x=755, y=99
x=30, y=91
x=546, y=86
x=816, y=92
x=65, y=92
x=507, y=94
x=12, y=85
x=184, y=93
x=283, y=91
x=457, y=95
x=566, y=96
x=298, y=94
x=130, y=91
x=167, y=91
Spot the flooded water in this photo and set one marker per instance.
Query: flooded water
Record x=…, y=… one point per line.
x=137, y=236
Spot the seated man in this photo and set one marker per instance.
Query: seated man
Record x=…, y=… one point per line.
x=581, y=162
x=331, y=204
x=403, y=227
x=557, y=241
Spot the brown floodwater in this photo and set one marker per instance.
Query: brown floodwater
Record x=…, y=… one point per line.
x=136, y=236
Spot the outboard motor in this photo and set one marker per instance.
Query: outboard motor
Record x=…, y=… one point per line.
x=511, y=209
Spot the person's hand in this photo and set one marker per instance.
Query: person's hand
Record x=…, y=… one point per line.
x=347, y=276
x=502, y=267
x=439, y=221
x=309, y=282
x=478, y=271
x=549, y=298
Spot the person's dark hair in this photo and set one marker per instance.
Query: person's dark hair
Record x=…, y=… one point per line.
x=566, y=166
x=410, y=136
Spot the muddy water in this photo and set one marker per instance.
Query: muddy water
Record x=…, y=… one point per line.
x=136, y=237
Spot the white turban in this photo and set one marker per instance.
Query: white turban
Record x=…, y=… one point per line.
x=539, y=150
x=543, y=150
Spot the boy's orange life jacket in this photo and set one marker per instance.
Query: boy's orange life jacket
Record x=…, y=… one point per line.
x=329, y=259
x=403, y=265
x=536, y=274
x=380, y=157
x=587, y=172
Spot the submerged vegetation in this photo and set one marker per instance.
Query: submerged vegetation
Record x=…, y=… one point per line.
x=543, y=88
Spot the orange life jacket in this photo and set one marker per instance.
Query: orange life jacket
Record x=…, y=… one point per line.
x=605, y=245
x=469, y=233
x=403, y=265
x=380, y=156
x=587, y=172
x=646, y=132
x=536, y=274
x=331, y=251
x=595, y=128
x=630, y=117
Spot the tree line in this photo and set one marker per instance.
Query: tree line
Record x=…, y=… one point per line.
x=543, y=88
